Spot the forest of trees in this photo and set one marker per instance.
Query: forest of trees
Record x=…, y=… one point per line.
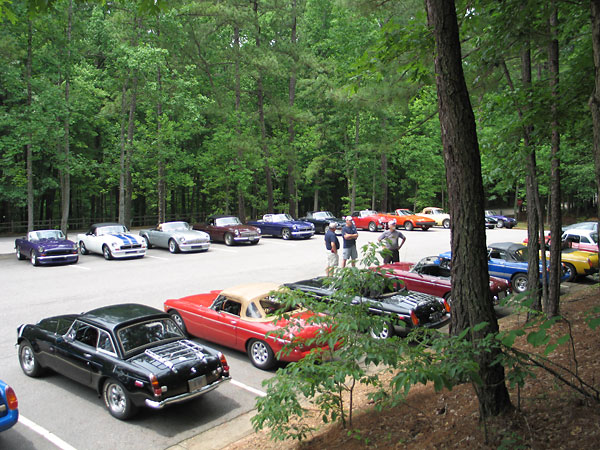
x=117, y=111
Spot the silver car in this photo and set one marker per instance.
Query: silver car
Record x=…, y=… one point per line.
x=177, y=237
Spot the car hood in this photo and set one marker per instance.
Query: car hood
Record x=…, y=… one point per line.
x=190, y=234
x=243, y=228
x=50, y=244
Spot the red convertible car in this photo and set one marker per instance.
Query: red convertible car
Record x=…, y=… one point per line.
x=242, y=318
x=429, y=277
x=369, y=220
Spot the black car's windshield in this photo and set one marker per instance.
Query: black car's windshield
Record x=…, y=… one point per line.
x=322, y=215
x=145, y=333
x=224, y=221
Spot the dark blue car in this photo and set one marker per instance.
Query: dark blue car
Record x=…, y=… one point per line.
x=509, y=261
x=502, y=221
x=9, y=407
x=46, y=247
x=285, y=226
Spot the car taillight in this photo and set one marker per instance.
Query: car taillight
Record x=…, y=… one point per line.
x=11, y=398
x=224, y=364
x=414, y=318
x=446, y=305
x=155, y=385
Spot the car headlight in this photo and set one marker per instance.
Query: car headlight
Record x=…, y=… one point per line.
x=40, y=249
x=114, y=244
x=295, y=227
x=182, y=239
x=236, y=232
x=258, y=230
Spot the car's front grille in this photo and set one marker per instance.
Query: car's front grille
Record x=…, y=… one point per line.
x=197, y=241
x=247, y=234
x=127, y=247
x=59, y=251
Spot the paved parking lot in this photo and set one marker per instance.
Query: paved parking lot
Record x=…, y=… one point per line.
x=56, y=412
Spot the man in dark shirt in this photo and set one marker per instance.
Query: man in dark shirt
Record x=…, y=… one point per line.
x=349, y=234
x=332, y=245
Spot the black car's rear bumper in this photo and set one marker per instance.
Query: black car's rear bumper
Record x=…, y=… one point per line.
x=186, y=396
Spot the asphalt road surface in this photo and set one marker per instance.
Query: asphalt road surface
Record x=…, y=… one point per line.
x=59, y=413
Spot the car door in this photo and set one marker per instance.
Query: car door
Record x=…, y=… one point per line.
x=497, y=264
x=75, y=352
x=224, y=321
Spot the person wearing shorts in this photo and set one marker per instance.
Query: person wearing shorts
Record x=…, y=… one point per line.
x=349, y=235
x=332, y=245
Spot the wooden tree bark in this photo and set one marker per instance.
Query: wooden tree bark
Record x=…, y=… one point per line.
x=29, y=145
x=122, y=144
x=594, y=102
x=470, y=278
x=261, y=119
x=238, y=123
x=161, y=184
x=291, y=162
x=552, y=305
x=65, y=172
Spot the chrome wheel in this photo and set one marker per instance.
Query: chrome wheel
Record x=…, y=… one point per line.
x=228, y=239
x=173, y=247
x=500, y=223
x=106, y=252
x=117, y=400
x=261, y=354
x=570, y=272
x=372, y=227
x=519, y=283
x=385, y=333
x=446, y=223
x=28, y=361
x=178, y=320
x=82, y=248
x=286, y=234
x=408, y=225
x=33, y=258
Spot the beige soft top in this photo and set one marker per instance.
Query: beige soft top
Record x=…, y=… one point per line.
x=249, y=292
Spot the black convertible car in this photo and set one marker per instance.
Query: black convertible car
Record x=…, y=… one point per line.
x=405, y=309
x=321, y=220
x=133, y=355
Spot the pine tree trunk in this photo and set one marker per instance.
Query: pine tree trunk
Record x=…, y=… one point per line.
x=594, y=102
x=65, y=171
x=552, y=306
x=161, y=186
x=470, y=278
x=29, y=145
x=291, y=166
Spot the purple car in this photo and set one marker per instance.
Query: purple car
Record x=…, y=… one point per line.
x=502, y=221
x=46, y=247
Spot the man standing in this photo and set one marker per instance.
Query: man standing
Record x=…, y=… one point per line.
x=390, y=242
x=349, y=234
x=332, y=244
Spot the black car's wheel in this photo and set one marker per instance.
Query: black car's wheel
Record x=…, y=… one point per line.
x=117, y=400
x=106, y=252
x=500, y=223
x=173, y=247
x=20, y=256
x=570, y=272
x=408, y=225
x=178, y=320
x=426, y=228
x=384, y=333
x=29, y=363
x=261, y=354
x=519, y=283
x=446, y=223
x=254, y=242
x=228, y=239
x=372, y=226
x=82, y=249
x=33, y=258
x=148, y=245
x=286, y=234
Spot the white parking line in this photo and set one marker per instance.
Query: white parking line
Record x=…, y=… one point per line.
x=45, y=433
x=158, y=257
x=75, y=266
x=249, y=388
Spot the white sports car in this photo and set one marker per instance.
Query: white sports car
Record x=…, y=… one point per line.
x=177, y=237
x=113, y=240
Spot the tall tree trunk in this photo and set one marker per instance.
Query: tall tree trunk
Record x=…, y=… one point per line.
x=470, y=278
x=594, y=102
x=291, y=161
x=238, y=124
x=384, y=183
x=65, y=171
x=129, y=148
x=161, y=185
x=552, y=305
x=122, y=143
x=261, y=120
x=353, y=180
x=29, y=145
x=316, y=200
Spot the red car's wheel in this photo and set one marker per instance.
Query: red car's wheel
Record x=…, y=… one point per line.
x=261, y=354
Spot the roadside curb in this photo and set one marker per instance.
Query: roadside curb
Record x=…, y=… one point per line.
x=221, y=436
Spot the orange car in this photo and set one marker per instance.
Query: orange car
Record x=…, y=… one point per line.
x=409, y=220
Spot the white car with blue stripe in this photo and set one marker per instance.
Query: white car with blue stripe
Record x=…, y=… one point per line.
x=112, y=240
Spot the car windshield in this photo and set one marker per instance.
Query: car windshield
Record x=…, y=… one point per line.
x=111, y=229
x=145, y=333
x=175, y=226
x=368, y=212
x=437, y=211
x=281, y=217
x=404, y=212
x=491, y=212
x=322, y=215
x=46, y=234
x=224, y=221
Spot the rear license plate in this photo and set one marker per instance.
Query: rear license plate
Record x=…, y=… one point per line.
x=197, y=383
x=436, y=317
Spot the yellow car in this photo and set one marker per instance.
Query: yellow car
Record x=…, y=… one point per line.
x=578, y=263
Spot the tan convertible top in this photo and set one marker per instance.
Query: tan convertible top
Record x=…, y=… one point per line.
x=249, y=292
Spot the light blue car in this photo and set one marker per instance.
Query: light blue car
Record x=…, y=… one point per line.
x=507, y=260
x=9, y=407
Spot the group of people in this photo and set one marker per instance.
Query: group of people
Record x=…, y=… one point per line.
x=390, y=239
